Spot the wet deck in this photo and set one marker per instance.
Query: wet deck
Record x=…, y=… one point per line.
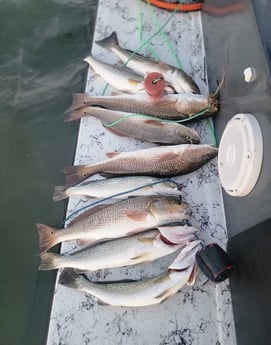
x=197, y=315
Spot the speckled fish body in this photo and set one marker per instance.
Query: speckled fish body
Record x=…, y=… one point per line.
x=126, y=217
x=181, y=82
x=148, y=130
x=133, y=293
x=168, y=107
x=115, y=186
x=139, y=248
x=162, y=161
x=119, y=78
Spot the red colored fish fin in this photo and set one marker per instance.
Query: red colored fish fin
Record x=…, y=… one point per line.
x=168, y=156
x=47, y=237
x=137, y=216
x=76, y=114
x=79, y=100
x=75, y=174
x=112, y=154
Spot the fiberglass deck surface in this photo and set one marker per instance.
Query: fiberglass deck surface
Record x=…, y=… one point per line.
x=197, y=315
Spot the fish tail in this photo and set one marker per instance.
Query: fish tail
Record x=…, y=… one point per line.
x=69, y=278
x=60, y=193
x=76, y=114
x=49, y=261
x=79, y=100
x=47, y=237
x=75, y=174
x=109, y=41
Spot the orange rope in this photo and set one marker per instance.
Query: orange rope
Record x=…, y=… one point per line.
x=172, y=7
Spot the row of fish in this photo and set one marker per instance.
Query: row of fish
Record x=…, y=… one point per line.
x=149, y=224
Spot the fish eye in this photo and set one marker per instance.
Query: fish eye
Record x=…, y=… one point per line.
x=188, y=138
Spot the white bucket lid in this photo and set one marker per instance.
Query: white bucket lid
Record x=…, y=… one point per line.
x=240, y=155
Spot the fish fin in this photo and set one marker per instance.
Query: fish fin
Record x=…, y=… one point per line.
x=146, y=240
x=109, y=41
x=133, y=82
x=60, y=193
x=112, y=154
x=100, y=302
x=88, y=213
x=154, y=123
x=192, y=278
x=143, y=256
x=117, y=93
x=165, y=294
x=79, y=100
x=85, y=242
x=76, y=114
x=168, y=156
x=47, y=237
x=137, y=216
x=68, y=277
x=49, y=261
x=116, y=131
x=75, y=174
x=163, y=67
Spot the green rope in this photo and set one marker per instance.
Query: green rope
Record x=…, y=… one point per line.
x=211, y=128
x=145, y=43
x=164, y=36
x=126, y=117
x=141, y=25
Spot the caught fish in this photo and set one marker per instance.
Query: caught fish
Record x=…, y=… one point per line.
x=115, y=186
x=144, y=247
x=168, y=107
x=148, y=130
x=119, y=78
x=141, y=292
x=162, y=161
x=126, y=217
x=181, y=81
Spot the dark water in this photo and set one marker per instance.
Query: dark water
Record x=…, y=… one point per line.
x=42, y=43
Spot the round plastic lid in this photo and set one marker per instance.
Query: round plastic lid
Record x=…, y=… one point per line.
x=240, y=155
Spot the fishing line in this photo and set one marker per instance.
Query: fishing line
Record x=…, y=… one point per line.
x=126, y=117
x=150, y=47
x=145, y=43
x=116, y=195
x=164, y=36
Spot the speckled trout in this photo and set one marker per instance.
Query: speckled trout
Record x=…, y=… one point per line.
x=181, y=81
x=121, y=79
x=162, y=161
x=120, y=187
x=131, y=125
x=168, y=107
x=142, y=292
x=126, y=217
x=143, y=247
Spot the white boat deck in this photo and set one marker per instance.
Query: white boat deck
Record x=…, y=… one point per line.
x=198, y=315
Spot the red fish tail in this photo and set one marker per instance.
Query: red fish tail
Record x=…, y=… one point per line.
x=47, y=237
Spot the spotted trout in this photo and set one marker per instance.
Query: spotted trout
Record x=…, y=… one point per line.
x=131, y=125
x=141, y=292
x=168, y=107
x=162, y=161
x=126, y=217
x=143, y=247
x=181, y=81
